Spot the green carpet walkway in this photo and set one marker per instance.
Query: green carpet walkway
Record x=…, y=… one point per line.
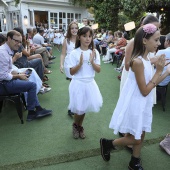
x=48, y=144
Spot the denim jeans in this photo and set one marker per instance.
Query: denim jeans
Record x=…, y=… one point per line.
x=19, y=86
x=37, y=65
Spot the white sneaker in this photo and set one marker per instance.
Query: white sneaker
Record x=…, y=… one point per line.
x=104, y=59
x=44, y=90
x=118, y=70
x=165, y=144
x=108, y=61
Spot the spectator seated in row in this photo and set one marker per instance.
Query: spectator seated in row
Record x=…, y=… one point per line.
x=122, y=42
x=165, y=51
x=27, y=60
x=37, y=49
x=99, y=37
x=17, y=83
x=105, y=42
x=39, y=40
x=33, y=76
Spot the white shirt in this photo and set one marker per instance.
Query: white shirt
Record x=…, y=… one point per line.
x=38, y=39
x=86, y=71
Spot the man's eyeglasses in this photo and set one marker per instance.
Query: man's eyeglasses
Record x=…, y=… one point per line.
x=17, y=41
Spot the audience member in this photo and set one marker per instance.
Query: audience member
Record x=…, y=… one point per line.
x=39, y=39
x=16, y=83
x=165, y=51
x=113, y=49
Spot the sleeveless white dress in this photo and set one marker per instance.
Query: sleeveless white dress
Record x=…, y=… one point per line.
x=133, y=112
x=125, y=75
x=70, y=47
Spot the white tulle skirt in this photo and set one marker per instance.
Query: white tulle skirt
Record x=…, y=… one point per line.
x=85, y=96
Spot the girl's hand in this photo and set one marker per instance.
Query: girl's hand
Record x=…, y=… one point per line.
x=61, y=69
x=92, y=56
x=32, y=49
x=81, y=59
x=160, y=63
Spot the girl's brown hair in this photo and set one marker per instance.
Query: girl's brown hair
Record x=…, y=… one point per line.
x=68, y=36
x=81, y=32
x=139, y=48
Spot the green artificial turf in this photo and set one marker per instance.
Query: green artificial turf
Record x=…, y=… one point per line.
x=49, y=141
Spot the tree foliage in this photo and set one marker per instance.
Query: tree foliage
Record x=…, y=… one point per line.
x=17, y=2
x=110, y=14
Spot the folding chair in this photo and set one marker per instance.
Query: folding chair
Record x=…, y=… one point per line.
x=18, y=99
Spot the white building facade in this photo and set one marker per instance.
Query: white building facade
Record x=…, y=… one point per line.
x=58, y=13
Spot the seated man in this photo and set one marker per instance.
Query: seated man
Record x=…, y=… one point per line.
x=39, y=40
x=165, y=51
x=37, y=49
x=17, y=83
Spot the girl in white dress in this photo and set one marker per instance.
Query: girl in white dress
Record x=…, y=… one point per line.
x=57, y=40
x=133, y=112
x=83, y=90
x=68, y=46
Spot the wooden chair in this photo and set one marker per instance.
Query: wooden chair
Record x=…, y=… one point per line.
x=18, y=99
x=161, y=92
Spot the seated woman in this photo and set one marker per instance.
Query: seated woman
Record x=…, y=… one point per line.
x=106, y=41
x=37, y=49
x=120, y=43
x=27, y=52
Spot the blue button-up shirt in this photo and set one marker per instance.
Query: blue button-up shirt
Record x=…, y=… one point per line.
x=5, y=62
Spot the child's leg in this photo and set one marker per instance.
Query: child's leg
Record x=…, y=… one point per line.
x=128, y=139
x=76, y=126
x=135, y=162
x=81, y=119
x=107, y=145
x=81, y=129
x=78, y=130
x=137, y=148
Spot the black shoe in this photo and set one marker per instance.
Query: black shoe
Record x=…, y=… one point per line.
x=70, y=113
x=68, y=78
x=135, y=164
x=31, y=117
x=43, y=113
x=47, y=66
x=121, y=134
x=105, y=150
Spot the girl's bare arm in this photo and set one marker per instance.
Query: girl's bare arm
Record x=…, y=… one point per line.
x=128, y=53
x=138, y=69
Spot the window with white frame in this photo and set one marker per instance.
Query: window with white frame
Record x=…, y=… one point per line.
x=31, y=17
x=70, y=17
x=78, y=17
x=54, y=20
x=15, y=19
x=2, y=22
x=62, y=20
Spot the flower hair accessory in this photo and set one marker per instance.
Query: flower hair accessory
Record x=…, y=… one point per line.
x=149, y=29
